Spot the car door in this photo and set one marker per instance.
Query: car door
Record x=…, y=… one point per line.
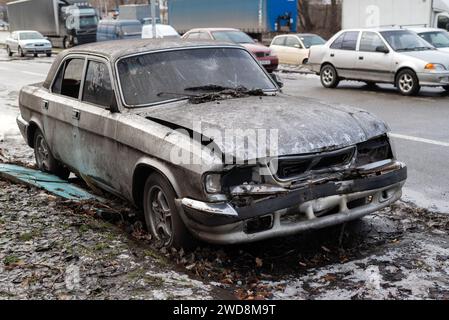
x=14, y=41
x=293, y=49
x=372, y=64
x=278, y=48
x=342, y=54
x=59, y=107
x=96, y=126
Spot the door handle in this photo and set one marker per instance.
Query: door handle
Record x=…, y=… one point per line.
x=76, y=114
x=361, y=58
x=45, y=104
x=332, y=55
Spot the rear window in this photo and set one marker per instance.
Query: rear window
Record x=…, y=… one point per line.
x=346, y=41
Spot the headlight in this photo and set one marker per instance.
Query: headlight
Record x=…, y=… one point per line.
x=212, y=183
x=435, y=67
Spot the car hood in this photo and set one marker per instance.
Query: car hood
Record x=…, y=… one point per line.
x=445, y=50
x=432, y=56
x=255, y=47
x=34, y=41
x=302, y=125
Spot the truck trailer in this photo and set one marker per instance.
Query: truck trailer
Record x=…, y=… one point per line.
x=255, y=17
x=408, y=13
x=65, y=22
x=141, y=12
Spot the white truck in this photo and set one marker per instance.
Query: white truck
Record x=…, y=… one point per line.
x=377, y=13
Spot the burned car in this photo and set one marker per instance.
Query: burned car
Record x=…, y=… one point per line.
x=201, y=137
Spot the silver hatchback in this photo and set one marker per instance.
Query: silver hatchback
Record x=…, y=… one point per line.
x=380, y=55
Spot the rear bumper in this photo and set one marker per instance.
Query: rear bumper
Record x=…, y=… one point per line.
x=307, y=208
x=23, y=127
x=270, y=63
x=433, y=79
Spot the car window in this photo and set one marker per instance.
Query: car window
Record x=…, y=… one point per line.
x=309, y=41
x=68, y=79
x=193, y=35
x=350, y=40
x=292, y=42
x=443, y=22
x=279, y=41
x=232, y=36
x=204, y=36
x=97, y=84
x=370, y=41
x=338, y=42
x=439, y=39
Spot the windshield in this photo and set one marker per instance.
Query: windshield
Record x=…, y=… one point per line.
x=30, y=36
x=312, y=41
x=171, y=75
x=131, y=29
x=403, y=40
x=88, y=21
x=439, y=39
x=232, y=36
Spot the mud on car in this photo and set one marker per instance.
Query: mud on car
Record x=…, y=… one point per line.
x=159, y=123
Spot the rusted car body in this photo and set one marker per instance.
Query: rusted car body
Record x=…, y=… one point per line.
x=333, y=164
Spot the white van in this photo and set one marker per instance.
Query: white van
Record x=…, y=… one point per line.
x=162, y=31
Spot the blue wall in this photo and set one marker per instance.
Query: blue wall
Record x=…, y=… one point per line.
x=278, y=8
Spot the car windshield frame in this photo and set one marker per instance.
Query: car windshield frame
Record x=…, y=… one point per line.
x=423, y=45
x=250, y=40
x=274, y=88
x=38, y=36
x=444, y=33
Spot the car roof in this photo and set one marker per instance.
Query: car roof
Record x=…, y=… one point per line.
x=212, y=29
x=423, y=30
x=116, y=49
x=114, y=21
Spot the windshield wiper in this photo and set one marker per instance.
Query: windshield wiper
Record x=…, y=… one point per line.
x=211, y=87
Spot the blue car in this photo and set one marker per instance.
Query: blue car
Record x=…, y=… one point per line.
x=119, y=29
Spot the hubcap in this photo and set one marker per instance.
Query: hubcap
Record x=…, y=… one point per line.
x=160, y=215
x=328, y=76
x=42, y=153
x=406, y=83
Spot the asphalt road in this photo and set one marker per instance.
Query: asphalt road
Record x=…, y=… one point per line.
x=420, y=127
x=419, y=124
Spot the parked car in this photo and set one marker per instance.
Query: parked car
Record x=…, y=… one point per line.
x=439, y=38
x=4, y=26
x=148, y=116
x=262, y=53
x=162, y=31
x=294, y=48
x=28, y=42
x=388, y=55
x=119, y=29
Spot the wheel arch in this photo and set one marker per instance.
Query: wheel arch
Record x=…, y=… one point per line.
x=402, y=69
x=33, y=126
x=143, y=169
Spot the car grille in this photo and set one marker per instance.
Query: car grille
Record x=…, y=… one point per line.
x=289, y=168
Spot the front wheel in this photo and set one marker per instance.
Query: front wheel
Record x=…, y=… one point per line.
x=8, y=51
x=44, y=158
x=48, y=54
x=66, y=43
x=407, y=83
x=20, y=52
x=161, y=214
x=329, y=77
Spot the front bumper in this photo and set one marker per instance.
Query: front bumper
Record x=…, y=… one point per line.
x=433, y=79
x=37, y=50
x=310, y=207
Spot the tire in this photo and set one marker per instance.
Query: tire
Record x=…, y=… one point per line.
x=161, y=214
x=48, y=54
x=446, y=88
x=44, y=158
x=66, y=43
x=20, y=52
x=305, y=61
x=8, y=51
x=35, y=55
x=407, y=83
x=329, y=76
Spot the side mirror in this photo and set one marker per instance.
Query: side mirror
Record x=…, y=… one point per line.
x=297, y=46
x=382, y=49
x=277, y=79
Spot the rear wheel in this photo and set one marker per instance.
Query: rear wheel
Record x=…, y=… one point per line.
x=305, y=61
x=446, y=88
x=35, y=55
x=162, y=216
x=329, y=76
x=20, y=52
x=407, y=83
x=44, y=158
x=8, y=51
